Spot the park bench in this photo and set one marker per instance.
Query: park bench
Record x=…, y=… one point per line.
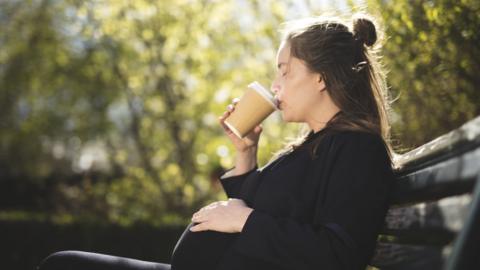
x=434, y=219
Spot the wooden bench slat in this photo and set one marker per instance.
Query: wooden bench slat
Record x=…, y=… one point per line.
x=447, y=214
x=451, y=144
x=450, y=177
x=392, y=256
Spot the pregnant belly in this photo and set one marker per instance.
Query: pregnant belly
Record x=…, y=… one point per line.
x=200, y=250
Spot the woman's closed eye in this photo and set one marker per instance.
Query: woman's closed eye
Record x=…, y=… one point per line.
x=281, y=73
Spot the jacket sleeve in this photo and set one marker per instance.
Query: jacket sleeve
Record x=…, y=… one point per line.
x=345, y=222
x=233, y=184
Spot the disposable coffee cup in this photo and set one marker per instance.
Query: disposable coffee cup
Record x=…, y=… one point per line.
x=256, y=104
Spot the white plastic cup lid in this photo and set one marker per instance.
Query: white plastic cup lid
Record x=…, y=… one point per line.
x=264, y=92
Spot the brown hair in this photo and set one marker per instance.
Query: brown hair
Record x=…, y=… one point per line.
x=349, y=64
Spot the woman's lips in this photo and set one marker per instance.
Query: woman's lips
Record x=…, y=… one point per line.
x=278, y=103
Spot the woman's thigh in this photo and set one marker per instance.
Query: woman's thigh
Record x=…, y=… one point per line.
x=73, y=260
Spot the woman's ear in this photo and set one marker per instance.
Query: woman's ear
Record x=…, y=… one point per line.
x=321, y=84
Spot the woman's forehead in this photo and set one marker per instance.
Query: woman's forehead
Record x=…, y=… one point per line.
x=283, y=54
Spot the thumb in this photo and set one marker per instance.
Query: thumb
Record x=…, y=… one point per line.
x=199, y=227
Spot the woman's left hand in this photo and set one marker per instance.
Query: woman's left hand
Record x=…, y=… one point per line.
x=222, y=216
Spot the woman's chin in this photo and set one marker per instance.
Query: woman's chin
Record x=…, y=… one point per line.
x=285, y=117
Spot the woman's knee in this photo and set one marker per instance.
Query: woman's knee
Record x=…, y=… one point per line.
x=59, y=260
x=72, y=260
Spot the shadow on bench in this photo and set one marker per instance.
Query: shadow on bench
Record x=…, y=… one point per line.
x=434, y=220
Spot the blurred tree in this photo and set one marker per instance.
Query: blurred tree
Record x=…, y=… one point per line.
x=137, y=84
x=108, y=109
x=433, y=58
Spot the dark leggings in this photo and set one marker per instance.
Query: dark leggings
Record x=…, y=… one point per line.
x=79, y=260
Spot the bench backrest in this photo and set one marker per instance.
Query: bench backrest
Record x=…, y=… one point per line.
x=434, y=220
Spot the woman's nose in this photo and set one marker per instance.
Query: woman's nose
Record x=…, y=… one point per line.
x=275, y=88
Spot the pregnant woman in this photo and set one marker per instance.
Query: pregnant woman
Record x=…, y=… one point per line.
x=321, y=201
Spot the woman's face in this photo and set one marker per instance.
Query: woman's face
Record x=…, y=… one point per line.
x=296, y=87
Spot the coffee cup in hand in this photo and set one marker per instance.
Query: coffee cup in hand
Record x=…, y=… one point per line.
x=256, y=104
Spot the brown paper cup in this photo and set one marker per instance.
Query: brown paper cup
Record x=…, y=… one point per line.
x=256, y=104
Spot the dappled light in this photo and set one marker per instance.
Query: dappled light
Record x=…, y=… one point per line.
x=109, y=109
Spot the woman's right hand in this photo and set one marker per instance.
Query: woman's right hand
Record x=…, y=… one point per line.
x=250, y=141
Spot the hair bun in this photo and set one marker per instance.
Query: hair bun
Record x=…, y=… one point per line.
x=364, y=31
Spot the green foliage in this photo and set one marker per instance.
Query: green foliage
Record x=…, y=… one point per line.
x=108, y=109
x=433, y=58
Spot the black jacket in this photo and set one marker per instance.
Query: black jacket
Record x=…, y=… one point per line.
x=322, y=213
